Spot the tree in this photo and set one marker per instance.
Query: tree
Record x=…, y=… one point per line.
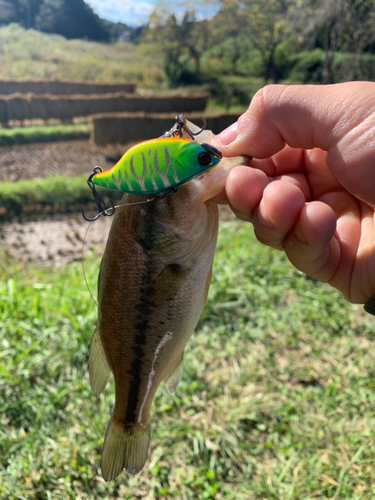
x=182, y=38
x=341, y=25
x=72, y=19
x=20, y=11
x=229, y=25
x=264, y=23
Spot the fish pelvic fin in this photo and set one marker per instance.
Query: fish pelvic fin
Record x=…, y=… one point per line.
x=98, y=365
x=174, y=378
x=124, y=448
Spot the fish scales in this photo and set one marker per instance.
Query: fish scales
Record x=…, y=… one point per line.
x=152, y=288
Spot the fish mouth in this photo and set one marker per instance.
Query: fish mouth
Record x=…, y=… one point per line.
x=212, y=151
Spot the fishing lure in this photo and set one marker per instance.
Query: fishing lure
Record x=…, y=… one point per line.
x=157, y=165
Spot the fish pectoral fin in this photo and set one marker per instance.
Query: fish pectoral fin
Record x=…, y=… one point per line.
x=173, y=379
x=124, y=448
x=98, y=365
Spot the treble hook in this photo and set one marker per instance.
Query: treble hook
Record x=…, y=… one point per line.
x=176, y=130
x=181, y=125
x=102, y=207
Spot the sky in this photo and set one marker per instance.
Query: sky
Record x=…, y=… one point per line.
x=130, y=12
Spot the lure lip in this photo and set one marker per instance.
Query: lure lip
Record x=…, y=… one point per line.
x=212, y=150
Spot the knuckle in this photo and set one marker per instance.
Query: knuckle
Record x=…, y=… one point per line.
x=268, y=96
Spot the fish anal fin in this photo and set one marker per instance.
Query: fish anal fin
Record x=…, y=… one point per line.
x=98, y=365
x=208, y=283
x=173, y=379
x=124, y=448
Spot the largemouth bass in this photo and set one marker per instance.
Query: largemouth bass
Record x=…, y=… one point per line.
x=152, y=288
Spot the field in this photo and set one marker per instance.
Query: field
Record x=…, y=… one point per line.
x=276, y=402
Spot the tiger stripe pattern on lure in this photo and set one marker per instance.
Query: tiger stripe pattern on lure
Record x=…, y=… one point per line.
x=156, y=165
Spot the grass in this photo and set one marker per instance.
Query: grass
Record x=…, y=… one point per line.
x=42, y=195
x=55, y=194
x=43, y=133
x=277, y=399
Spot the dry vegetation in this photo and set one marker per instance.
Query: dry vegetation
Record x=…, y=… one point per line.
x=35, y=55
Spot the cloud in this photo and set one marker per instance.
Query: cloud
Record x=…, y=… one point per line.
x=125, y=11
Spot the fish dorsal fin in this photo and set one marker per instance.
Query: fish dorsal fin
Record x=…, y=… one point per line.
x=124, y=448
x=98, y=365
x=173, y=379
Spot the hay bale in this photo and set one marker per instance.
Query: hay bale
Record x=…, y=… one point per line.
x=3, y=112
x=63, y=87
x=128, y=127
x=18, y=107
x=47, y=106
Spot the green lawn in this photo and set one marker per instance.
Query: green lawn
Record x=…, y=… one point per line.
x=277, y=399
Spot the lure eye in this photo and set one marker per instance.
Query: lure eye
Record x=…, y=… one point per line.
x=204, y=159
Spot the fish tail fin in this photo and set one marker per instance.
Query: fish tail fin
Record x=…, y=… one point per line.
x=98, y=365
x=124, y=448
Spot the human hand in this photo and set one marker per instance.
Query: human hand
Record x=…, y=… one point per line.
x=310, y=189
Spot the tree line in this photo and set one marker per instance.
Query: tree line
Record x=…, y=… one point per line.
x=318, y=41
x=69, y=18
x=321, y=41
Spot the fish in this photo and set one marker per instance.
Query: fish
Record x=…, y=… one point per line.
x=153, y=283
x=153, y=166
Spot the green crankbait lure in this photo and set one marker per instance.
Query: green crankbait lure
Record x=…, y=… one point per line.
x=154, y=166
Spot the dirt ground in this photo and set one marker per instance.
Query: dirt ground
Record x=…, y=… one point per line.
x=61, y=238
x=56, y=240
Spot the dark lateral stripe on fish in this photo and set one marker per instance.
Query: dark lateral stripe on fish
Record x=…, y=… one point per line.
x=144, y=309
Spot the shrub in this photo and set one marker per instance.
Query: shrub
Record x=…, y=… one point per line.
x=350, y=66
x=307, y=66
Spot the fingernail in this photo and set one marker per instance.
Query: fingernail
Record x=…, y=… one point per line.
x=228, y=135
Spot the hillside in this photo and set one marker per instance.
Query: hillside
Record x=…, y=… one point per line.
x=32, y=54
x=70, y=18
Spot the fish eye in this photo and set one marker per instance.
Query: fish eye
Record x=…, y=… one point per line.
x=204, y=159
